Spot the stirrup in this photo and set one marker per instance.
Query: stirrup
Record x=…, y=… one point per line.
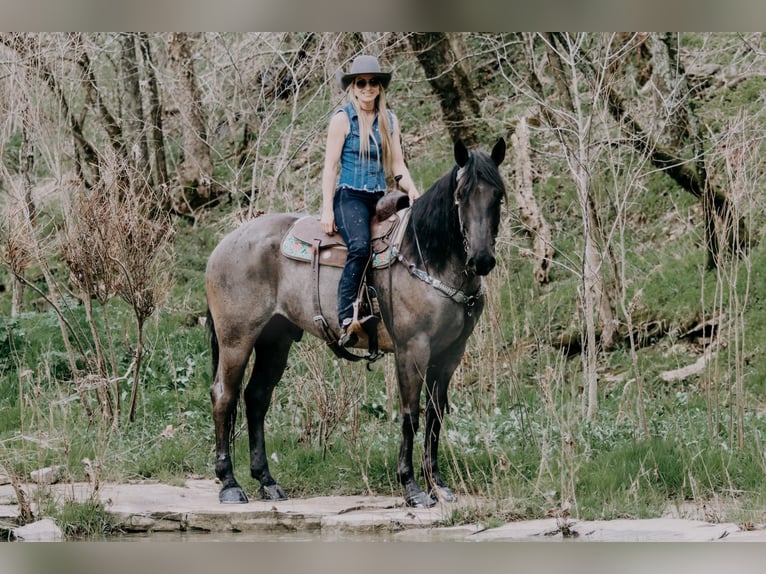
x=348, y=336
x=368, y=321
x=352, y=330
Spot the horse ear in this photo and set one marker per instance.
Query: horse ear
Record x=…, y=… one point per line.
x=498, y=152
x=461, y=153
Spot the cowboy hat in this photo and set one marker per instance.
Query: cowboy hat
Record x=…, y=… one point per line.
x=365, y=66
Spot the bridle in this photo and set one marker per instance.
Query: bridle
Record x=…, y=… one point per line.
x=458, y=186
x=469, y=300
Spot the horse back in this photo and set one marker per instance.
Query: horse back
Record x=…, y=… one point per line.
x=246, y=258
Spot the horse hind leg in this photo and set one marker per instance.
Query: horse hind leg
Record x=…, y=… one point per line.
x=271, y=353
x=224, y=395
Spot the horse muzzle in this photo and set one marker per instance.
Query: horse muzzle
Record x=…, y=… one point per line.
x=481, y=263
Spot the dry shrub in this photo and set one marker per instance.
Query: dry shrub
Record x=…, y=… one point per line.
x=115, y=242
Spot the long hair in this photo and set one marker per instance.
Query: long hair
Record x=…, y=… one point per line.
x=384, y=127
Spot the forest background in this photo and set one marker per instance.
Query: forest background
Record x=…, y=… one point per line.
x=616, y=371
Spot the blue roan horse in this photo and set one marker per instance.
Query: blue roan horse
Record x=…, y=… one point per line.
x=260, y=301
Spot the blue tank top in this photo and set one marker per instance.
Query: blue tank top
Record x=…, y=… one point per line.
x=362, y=172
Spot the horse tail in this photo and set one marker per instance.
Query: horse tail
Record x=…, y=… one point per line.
x=214, y=350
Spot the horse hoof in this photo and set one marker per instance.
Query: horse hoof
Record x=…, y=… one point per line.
x=442, y=494
x=232, y=495
x=419, y=500
x=272, y=492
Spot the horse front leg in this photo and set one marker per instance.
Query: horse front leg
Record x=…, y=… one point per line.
x=438, y=378
x=224, y=395
x=410, y=384
x=436, y=391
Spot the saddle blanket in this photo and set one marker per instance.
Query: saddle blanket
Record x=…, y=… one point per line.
x=300, y=240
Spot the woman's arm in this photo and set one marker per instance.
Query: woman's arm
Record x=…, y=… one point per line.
x=336, y=135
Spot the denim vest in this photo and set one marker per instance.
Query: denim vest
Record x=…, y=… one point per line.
x=361, y=172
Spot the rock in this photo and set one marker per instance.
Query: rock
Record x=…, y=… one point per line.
x=194, y=511
x=619, y=530
x=47, y=475
x=44, y=530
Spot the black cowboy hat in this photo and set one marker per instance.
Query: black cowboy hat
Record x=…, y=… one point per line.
x=364, y=66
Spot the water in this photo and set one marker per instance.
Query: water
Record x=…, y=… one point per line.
x=258, y=536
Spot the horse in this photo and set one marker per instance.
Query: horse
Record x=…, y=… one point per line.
x=430, y=300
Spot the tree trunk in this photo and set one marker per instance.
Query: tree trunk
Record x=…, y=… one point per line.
x=529, y=212
x=133, y=115
x=669, y=90
x=93, y=95
x=196, y=170
x=155, y=129
x=679, y=123
x=451, y=84
x=136, y=373
x=17, y=296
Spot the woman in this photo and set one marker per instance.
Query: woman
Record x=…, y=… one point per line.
x=365, y=142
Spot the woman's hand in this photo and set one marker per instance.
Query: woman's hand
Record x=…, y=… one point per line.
x=328, y=222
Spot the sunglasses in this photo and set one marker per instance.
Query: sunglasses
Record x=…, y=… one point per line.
x=362, y=83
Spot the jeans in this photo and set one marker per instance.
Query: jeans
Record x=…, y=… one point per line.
x=353, y=211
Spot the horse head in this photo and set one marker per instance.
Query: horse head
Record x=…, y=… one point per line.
x=478, y=196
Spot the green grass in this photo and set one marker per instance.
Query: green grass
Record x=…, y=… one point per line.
x=84, y=520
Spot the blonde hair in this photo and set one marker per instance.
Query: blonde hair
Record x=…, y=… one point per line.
x=384, y=127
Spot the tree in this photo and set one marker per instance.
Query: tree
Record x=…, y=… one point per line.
x=135, y=127
x=721, y=219
x=571, y=120
x=196, y=186
x=451, y=84
x=154, y=128
x=530, y=214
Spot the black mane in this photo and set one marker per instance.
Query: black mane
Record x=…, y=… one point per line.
x=435, y=217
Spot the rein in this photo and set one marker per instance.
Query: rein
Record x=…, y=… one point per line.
x=457, y=295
